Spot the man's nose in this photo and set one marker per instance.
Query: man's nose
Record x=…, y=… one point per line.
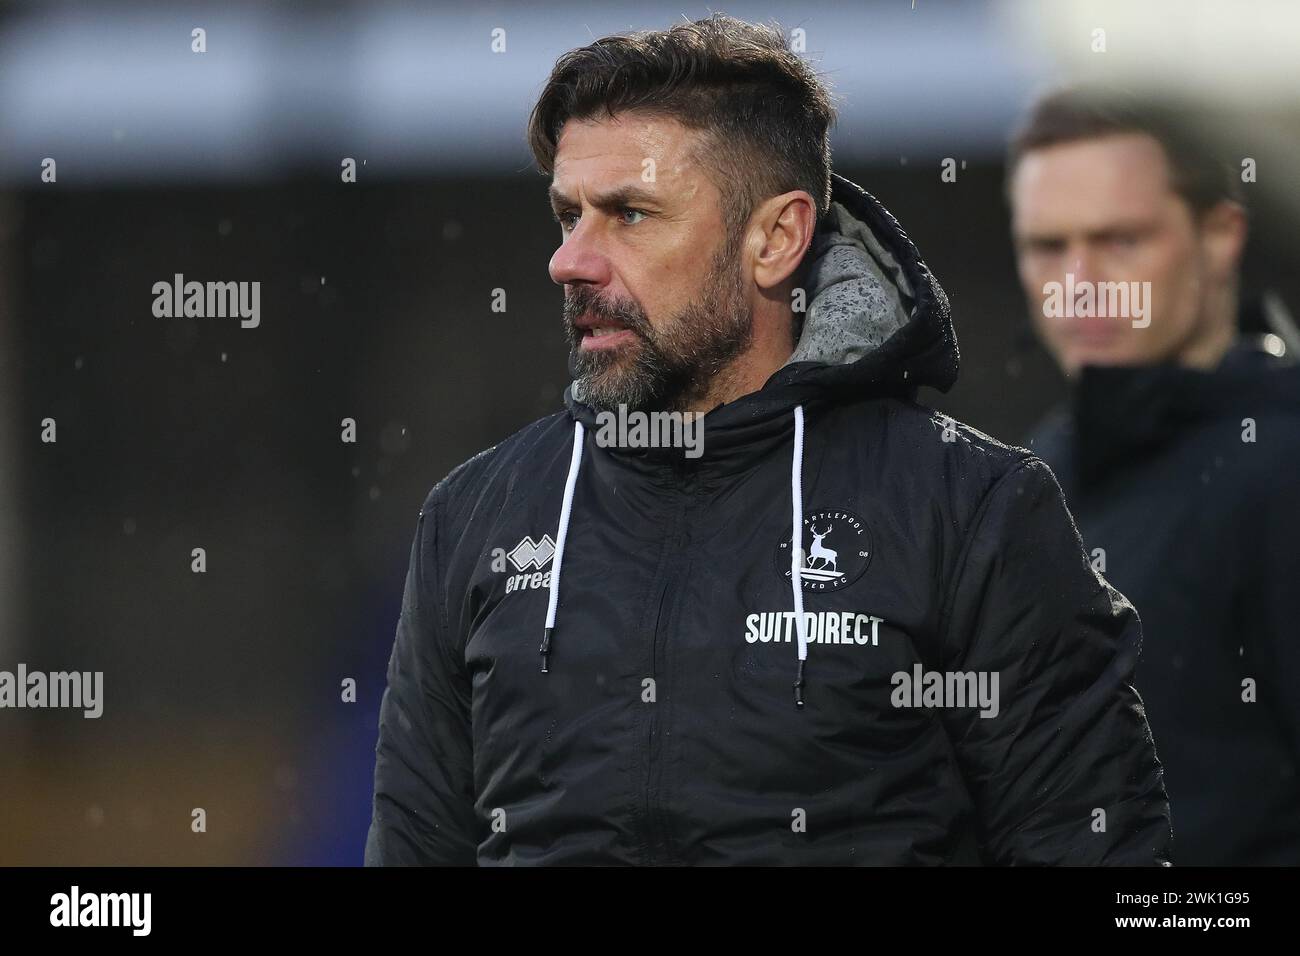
x=1081, y=262
x=579, y=259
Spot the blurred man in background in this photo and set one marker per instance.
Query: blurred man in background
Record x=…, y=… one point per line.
x=1179, y=452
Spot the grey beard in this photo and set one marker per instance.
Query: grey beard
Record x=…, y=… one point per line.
x=674, y=367
x=671, y=375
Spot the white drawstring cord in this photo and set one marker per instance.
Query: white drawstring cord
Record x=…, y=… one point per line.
x=570, y=483
x=796, y=550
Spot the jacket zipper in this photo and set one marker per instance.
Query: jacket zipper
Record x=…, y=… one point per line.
x=657, y=836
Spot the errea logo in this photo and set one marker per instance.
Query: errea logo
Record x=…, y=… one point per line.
x=525, y=556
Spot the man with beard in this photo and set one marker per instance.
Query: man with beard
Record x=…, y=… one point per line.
x=766, y=654
x=1179, y=451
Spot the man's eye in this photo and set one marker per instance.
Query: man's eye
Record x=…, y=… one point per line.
x=627, y=211
x=1044, y=247
x=563, y=219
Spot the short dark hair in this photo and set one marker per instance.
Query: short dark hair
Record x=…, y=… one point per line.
x=1076, y=113
x=764, y=113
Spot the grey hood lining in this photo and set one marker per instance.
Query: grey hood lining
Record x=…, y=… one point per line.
x=856, y=291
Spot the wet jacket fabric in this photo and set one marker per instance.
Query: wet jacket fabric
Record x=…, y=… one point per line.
x=1187, y=484
x=697, y=701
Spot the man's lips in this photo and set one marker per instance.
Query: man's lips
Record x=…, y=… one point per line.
x=604, y=337
x=1094, y=330
x=598, y=333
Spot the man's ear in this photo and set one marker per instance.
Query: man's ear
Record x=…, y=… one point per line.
x=1223, y=237
x=784, y=225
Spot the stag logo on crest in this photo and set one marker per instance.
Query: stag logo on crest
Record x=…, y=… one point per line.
x=836, y=550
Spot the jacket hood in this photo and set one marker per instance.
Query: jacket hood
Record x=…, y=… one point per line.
x=878, y=322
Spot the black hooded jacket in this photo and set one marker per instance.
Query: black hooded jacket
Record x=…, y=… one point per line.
x=1187, y=484
x=683, y=713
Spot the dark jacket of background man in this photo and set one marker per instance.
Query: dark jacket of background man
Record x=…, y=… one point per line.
x=1189, y=482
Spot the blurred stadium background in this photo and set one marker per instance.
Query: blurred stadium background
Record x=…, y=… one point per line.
x=223, y=689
